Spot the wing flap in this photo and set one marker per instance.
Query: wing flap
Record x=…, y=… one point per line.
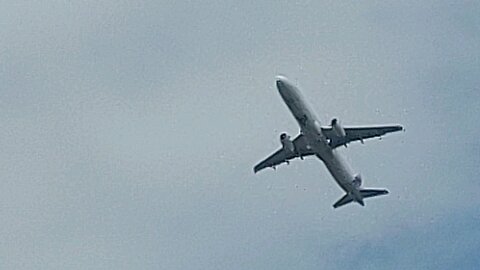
x=358, y=133
x=283, y=155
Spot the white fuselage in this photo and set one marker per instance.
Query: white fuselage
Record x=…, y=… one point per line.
x=311, y=128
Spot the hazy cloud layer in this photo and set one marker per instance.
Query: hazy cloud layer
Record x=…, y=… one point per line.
x=129, y=132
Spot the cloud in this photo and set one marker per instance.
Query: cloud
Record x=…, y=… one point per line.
x=129, y=132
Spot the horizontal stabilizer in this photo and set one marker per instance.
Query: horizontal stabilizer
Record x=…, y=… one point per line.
x=367, y=193
x=344, y=200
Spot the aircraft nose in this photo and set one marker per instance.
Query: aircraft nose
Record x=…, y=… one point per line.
x=281, y=81
x=281, y=78
x=279, y=84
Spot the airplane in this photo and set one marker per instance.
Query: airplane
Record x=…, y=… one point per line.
x=322, y=142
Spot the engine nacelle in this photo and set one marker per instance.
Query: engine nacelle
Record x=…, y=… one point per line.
x=357, y=181
x=338, y=129
x=287, y=144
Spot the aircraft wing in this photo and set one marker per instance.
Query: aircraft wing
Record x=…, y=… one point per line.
x=282, y=155
x=358, y=133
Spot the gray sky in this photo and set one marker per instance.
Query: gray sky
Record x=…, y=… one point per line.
x=129, y=131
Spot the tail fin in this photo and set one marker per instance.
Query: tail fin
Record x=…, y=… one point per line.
x=365, y=193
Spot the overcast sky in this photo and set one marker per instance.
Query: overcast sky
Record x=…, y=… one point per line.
x=129, y=129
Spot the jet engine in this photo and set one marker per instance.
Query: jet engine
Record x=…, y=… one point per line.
x=286, y=142
x=338, y=129
x=357, y=181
